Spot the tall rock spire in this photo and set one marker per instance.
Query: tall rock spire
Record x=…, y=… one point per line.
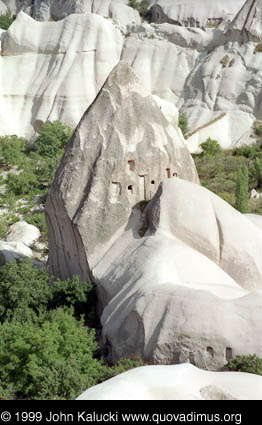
x=121, y=150
x=248, y=21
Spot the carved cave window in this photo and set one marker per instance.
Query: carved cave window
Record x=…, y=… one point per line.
x=131, y=165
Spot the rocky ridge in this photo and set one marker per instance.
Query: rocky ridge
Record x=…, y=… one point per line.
x=206, y=73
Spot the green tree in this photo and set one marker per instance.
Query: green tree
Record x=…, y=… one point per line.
x=210, y=147
x=242, y=189
x=49, y=361
x=27, y=291
x=133, y=3
x=255, y=173
x=23, y=183
x=123, y=365
x=6, y=20
x=24, y=291
x=183, y=123
x=12, y=149
x=141, y=7
x=52, y=139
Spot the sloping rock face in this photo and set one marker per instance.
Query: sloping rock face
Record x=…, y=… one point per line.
x=179, y=382
x=119, y=153
x=180, y=293
x=178, y=281
x=220, y=232
x=44, y=10
x=247, y=25
x=53, y=70
x=194, y=12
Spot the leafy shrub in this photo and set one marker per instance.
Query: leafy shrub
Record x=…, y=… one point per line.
x=12, y=149
x=6, y=20
x=46, y=349
x=23, y=183
x=123, y=365
x=210, y=147
x=26, y=292
x=49, y=361
x=3, y=228
x=52, y=140
x=251, y=151
x=80, y=296
x=249, y=364
x=183, y=123
x=141, y=7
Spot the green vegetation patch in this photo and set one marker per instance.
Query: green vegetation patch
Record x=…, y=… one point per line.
x=248, y=364
x=48, y=346
x=221, y=171
x=6, y=20
x=140, y=6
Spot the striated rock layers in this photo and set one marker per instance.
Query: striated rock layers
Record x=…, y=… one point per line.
x=54, y=70
x=121, y=150
x=179, y=278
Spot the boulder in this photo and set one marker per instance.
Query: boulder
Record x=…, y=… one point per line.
x=23, y=232
x=122, y=148
x=10, y=251
x=179, y=382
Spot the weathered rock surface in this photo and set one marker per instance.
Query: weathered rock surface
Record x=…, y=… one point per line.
x=120, y=151
x=10, y=251
x=194, y=12
x=46, y=10
x=179, y=382
x=166, y=294
x=173, y=276
x=247, y=24
x=23, y=232
x=54, y=70
x=206, y=75
x=219, y=232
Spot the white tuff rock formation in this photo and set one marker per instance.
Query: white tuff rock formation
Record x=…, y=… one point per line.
x=46, y=10
x=209, y=74
x=190, y=289
x=170, y=276
x=121, y=150
x=54, y=70
x=202, y=13
x=179, y=382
